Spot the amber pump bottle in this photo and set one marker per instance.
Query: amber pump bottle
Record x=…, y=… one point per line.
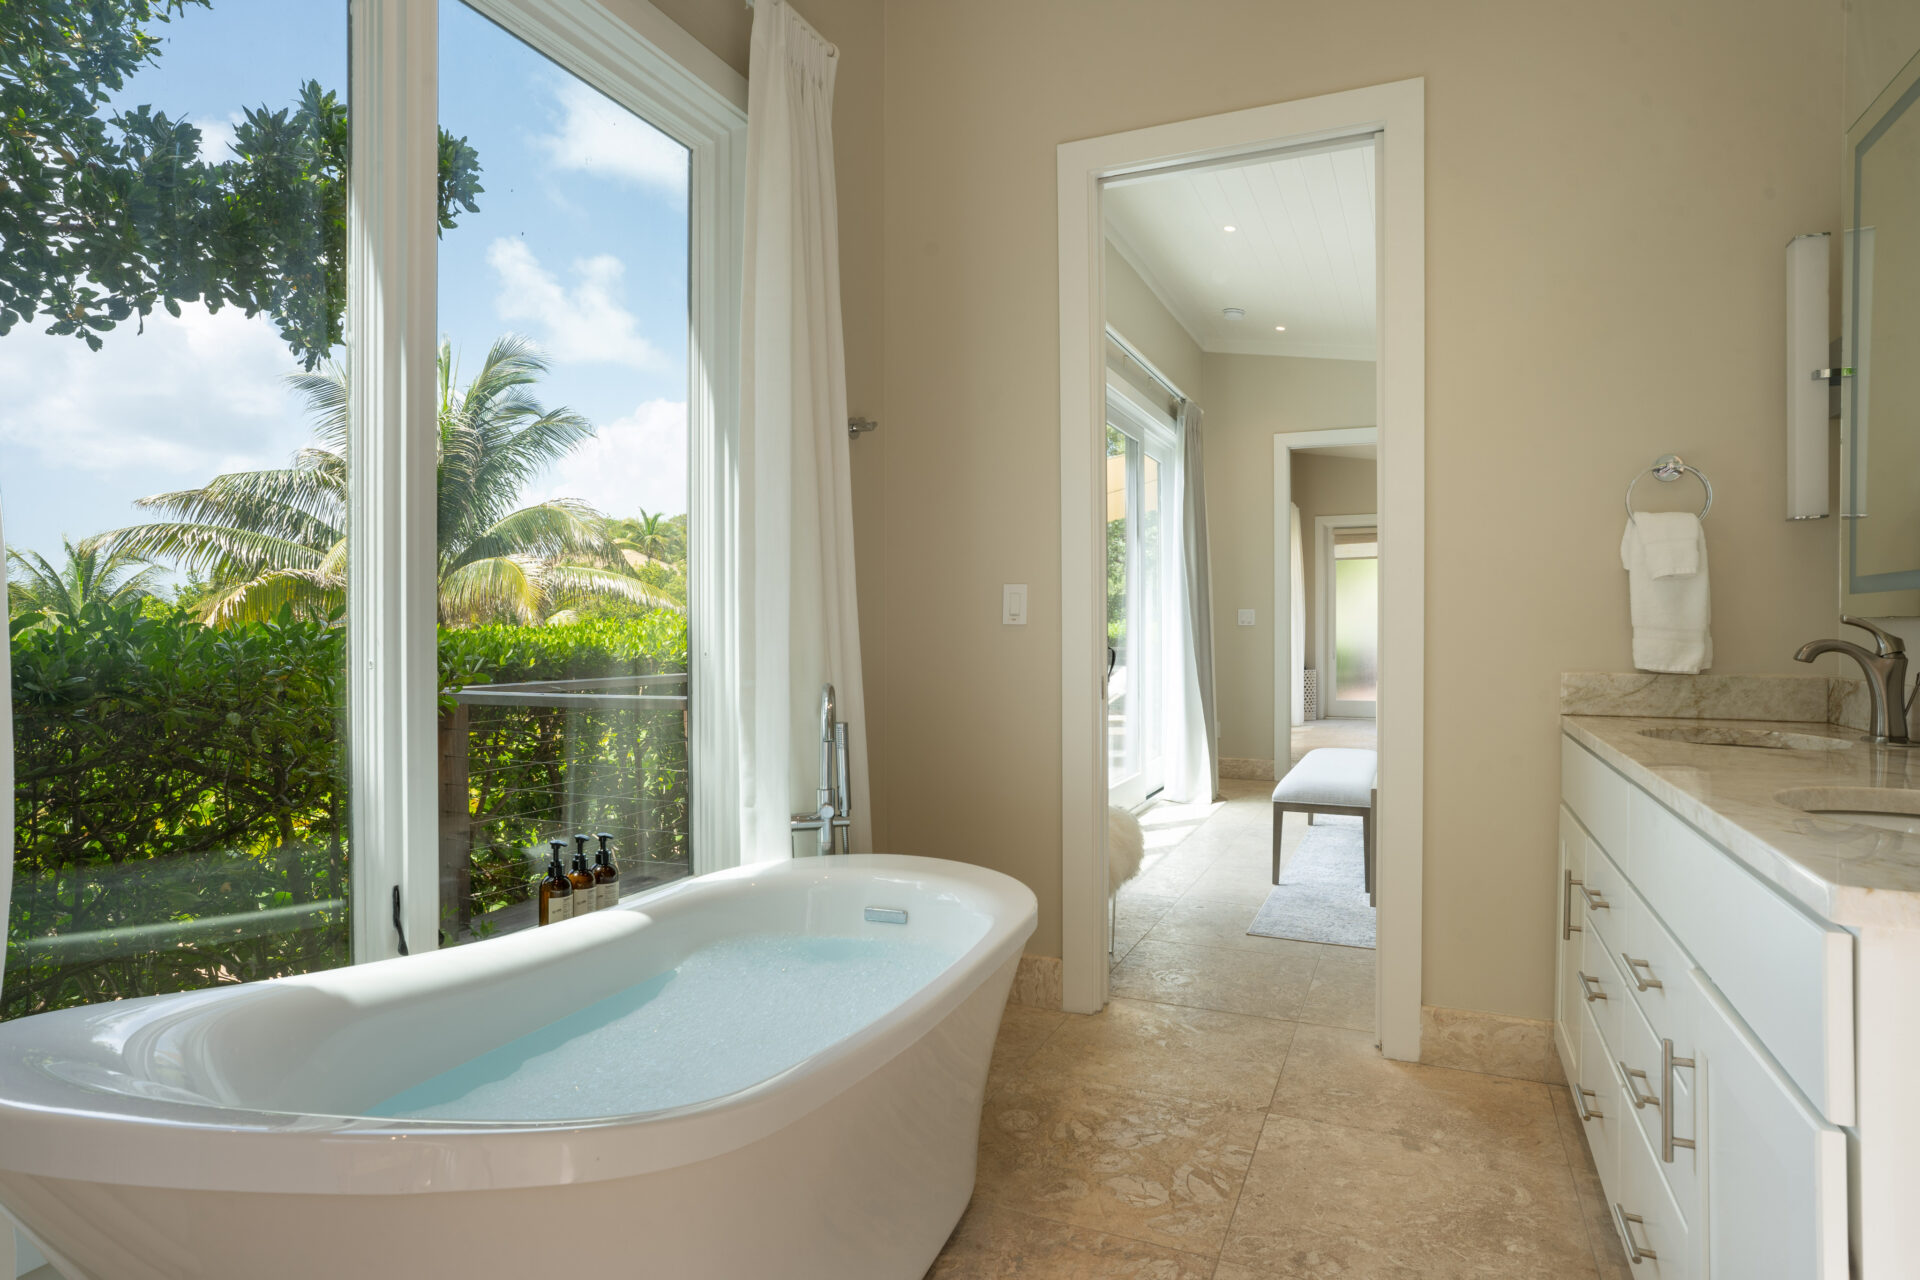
x=556, y=890
x=584, y=898
x=606, y=876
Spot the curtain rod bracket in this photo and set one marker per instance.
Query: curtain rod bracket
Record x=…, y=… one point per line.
x=857, y=427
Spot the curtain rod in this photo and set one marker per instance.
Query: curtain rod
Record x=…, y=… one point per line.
x=1127, y=349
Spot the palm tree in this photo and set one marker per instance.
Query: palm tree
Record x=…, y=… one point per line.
x=653, y=548
x=89, y=575
x=272, y=539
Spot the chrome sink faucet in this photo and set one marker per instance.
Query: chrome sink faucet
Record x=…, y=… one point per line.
x=1885, y=669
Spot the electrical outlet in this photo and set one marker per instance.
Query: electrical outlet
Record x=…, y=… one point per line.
x=1246, y=617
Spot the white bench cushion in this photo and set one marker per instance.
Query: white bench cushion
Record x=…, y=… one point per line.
x=1340, y=776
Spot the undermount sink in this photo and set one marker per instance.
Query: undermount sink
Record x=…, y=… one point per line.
x=1889, y=808
x=1767, y=739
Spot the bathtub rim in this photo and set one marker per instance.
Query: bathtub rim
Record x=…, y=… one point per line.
x=56, y=1128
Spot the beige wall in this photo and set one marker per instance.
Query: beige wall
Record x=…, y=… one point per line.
x=1144, y=321
x=1327, y=486
x=1250, y=399
x=1608, y=191
x=1882, y=37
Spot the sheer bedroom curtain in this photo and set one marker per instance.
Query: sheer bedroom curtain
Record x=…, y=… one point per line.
x=799, y=625
x=1198, y=774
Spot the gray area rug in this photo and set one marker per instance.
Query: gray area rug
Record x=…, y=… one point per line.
x=1322, y=895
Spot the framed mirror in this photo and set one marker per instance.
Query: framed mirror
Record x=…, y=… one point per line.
x=1880, y=401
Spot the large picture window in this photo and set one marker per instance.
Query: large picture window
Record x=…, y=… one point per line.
x=324, y=616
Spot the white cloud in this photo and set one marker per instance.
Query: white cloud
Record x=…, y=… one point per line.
x=217, y=135
x=581, y=322
x=595, y=135
x=635, y=463
x=176, y=404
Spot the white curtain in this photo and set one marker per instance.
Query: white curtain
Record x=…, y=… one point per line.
x=1196, y=772
x=799, y=628
x=1297, y=611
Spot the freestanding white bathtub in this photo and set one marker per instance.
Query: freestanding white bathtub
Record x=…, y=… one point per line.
x=224, y=1134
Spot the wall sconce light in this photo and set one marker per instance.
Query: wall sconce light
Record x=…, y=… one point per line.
x=1808, y=377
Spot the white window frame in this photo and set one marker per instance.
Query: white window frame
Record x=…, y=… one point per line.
x=1159, y=437
x=644, y=61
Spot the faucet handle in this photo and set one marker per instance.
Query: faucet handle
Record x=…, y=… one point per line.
x=1885, y=642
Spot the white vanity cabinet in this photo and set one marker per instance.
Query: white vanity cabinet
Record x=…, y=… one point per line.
x=1706, y=1022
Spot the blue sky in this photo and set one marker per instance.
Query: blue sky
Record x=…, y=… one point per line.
x=581, y=245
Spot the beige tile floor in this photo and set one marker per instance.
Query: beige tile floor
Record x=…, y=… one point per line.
x=1228, y=1116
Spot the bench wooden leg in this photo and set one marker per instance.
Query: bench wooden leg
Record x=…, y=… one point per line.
x=1278, y=815
x=1366, y=842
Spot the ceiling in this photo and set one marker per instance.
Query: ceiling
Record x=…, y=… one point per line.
x=1301, y=253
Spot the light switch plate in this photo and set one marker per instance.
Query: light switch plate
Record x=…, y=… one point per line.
x=1246, y=617
x=1013, y=604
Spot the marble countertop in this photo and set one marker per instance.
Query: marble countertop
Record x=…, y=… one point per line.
x=1852, y=875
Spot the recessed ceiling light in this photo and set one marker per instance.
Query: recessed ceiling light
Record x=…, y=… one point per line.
x=1279, y=328
x=1234, y=313
x=1229, y=228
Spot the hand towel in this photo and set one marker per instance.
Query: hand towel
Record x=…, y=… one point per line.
x=1672, y=542
x=1671, y=606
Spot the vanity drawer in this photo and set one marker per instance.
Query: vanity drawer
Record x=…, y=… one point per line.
x=1654, y=1229
x=1653, y=966
x=1598, y=1102
x=1602, y=990
x=1645, y=1079
x=1789, y=974
x=1598, y=796
x=1601, y=890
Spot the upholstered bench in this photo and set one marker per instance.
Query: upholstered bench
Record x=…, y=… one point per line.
x=1329, y=780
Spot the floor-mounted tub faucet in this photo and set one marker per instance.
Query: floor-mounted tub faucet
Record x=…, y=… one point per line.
x=1886, y=673
x=833, y=819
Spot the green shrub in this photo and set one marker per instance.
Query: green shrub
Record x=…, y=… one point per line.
x=180, y=796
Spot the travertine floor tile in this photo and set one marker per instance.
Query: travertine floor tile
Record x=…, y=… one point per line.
x=1609, y=1255
x=1170, y=877
x=1338, y=1076
x=1137, y=913
x=1270, y=983
x=992, y=1243
x=1331, y=1200
x=1023, y=1029
x=1242, y=885
x=1158, y=1048
x=1342, y=994
x=1145, y=1166
x=1204, y=923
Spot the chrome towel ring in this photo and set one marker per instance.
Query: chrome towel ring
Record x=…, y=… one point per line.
x=1666, y=470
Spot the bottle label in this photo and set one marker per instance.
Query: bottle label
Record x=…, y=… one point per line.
x=559, y=908
x=609, y=894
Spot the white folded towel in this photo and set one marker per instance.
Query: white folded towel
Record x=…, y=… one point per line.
x=1665, y=556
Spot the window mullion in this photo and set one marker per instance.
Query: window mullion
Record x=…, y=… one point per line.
x=392, y=592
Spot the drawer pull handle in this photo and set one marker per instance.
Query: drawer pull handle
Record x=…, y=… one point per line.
x=1667, y=1063
x=1585, y=1111
x=1635, y=1253
x=1628, y=1074
x=1646, y=982
x=1586, y=987
x=1596, y=901
x=1567, y=927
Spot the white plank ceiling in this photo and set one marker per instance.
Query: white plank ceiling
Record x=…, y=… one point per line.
x=1301, y=252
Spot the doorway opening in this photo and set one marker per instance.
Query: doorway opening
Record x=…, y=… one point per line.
x=1310, y=215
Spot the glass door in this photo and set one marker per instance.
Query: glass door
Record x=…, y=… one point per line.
x=1353, y=621
x=1140, y=562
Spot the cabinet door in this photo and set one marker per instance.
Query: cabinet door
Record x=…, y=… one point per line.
x=1566, y=999
x=1774, y=1173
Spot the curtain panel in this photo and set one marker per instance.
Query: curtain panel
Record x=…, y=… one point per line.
x=799, y=620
